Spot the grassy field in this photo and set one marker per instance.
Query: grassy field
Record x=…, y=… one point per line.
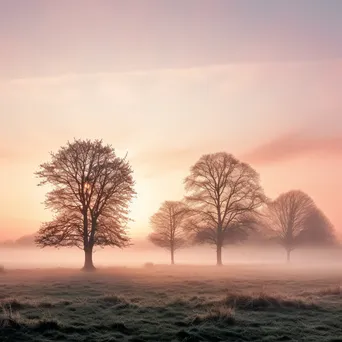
x=232, y=303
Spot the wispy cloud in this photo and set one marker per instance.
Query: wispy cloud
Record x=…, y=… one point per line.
x=170, y=109
x=294, y=145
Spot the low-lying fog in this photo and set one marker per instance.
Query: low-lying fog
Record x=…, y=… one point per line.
x=65, y=257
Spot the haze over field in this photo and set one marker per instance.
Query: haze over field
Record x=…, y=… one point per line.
x=168, y=82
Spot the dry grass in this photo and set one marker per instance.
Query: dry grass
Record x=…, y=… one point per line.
x=262, y=300
x=8, y=318
x=220, y=314
x=171, y=304
x=330, y=291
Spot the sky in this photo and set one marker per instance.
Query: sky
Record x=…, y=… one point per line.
x=167, y=81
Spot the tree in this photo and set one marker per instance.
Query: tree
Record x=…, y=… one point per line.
x=287, y=216
x=223, y=193
x=318, y=230
x=91, y=192
x=168, y=226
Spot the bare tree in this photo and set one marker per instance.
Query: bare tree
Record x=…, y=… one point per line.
x=222, y=193
x=168, y=226
x=287, y=217
x=91, y=192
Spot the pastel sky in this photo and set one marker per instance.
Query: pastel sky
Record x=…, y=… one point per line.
x=168, y=81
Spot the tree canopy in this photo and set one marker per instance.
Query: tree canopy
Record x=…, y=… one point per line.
x=318, y=231
x=223, y=193
x=287, y=216
x=91, y=191
x=168, y=226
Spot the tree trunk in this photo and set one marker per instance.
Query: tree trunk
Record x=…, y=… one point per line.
x=288, y=252
x=219, y=255
x=88, y=260
x=172, y=256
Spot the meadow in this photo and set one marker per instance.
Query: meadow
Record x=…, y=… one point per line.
x=180, y=303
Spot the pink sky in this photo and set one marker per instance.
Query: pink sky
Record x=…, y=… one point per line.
x=163, y=104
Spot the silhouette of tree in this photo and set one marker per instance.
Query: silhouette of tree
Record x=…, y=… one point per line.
x=223, y=195
x=318, y=230
x=168, y=226
x=288, y=215
x=91, y=191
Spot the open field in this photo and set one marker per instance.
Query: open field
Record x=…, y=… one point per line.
x=182, y=303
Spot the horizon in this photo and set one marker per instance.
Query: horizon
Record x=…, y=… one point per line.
x=258, y=80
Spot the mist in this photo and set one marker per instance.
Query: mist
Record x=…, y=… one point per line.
x=31, y=257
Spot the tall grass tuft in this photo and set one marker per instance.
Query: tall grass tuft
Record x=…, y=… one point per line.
x=8, y=318
x=220, y=314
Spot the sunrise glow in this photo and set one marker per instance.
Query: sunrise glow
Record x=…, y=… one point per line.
x=167, y=97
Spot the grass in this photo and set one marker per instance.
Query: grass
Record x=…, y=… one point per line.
x=267, y=301
x=222, y=314
x=232, y=303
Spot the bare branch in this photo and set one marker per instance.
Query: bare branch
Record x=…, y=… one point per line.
x=168, y=226
x=287, y=216
x=91, y=192
x=221, y=192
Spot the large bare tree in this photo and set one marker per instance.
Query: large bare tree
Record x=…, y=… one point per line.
x=222, y=193
x=168, y=226
x=90, y=196
x=288, y=215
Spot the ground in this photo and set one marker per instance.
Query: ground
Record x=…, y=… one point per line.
x=184, y=303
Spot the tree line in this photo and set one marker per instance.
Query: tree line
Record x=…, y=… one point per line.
x=92, y=188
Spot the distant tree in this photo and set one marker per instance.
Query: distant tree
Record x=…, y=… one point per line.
x=287, y=216
x=318, y=230
x=168, y=226
x=91, y=192
x=223, y=194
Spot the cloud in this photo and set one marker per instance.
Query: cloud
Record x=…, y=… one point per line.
x=159, y=113
x=294, y=145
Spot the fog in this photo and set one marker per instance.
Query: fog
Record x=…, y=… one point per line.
x=14, y=258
